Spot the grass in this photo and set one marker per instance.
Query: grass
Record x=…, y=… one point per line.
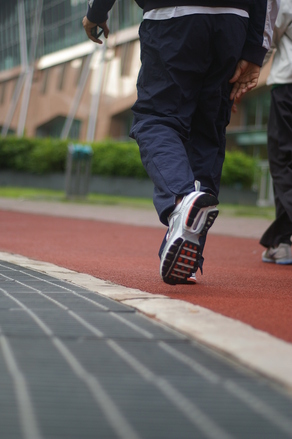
x=100, y=199
x=54, y=195
x=247, y=211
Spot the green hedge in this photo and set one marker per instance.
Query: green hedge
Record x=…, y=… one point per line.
x=38, y=156
x=110, y=158
x=238, y=169
x=41, y=156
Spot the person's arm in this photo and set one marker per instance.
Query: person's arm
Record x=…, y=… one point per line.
x=283, y=23
x=97, y=15
x=262, y=19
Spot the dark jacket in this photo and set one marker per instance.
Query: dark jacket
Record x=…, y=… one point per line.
x=262, y=14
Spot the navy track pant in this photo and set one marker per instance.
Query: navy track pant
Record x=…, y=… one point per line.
x=183, y=105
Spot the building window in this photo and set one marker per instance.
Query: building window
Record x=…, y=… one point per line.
x=121, y=124
x=61, y=26
x=125, y=53
x=54, y=127
x=124, y=14
x=62, y=76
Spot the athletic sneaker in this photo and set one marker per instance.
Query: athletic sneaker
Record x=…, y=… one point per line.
x=191, y=218
x=280, y=255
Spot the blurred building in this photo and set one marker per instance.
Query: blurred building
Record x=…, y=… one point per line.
x=248, y=128
x=56, y=82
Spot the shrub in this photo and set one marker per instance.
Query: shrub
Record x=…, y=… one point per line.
x=110, y=158
x=49, y=155
x=37, y=156
x=238, y=169
x=14, y=152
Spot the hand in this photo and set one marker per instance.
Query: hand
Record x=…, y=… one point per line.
x=234, y=108
x=89, y=25
x=244, y=79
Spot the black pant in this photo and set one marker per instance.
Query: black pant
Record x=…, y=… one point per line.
x=183, y=104
x=280, y=160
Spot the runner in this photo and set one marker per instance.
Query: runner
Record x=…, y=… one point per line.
x=197, y=56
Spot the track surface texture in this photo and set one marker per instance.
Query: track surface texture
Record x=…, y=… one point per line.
x=236, y=283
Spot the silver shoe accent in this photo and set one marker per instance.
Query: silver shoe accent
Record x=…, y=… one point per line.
x=191, y=218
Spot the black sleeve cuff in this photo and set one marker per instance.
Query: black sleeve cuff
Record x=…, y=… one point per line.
x=96, y=16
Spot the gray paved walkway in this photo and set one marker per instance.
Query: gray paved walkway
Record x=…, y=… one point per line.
x=74, y=364
x=244, y=227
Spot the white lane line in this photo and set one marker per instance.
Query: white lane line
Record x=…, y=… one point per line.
x=193, y=364
x=28, y=419
x=96, y=331
x=251, y=347
x=195, y=415
x=260, y=407
x=86, y=324
x=111, y=412
x=132, y=325
x=99, y=305
x=249, y=399
x=198, y=418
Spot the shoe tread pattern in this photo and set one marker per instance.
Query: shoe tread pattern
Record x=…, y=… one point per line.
x=180, y=262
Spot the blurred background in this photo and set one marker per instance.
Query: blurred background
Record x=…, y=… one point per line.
x=53, y=78
x=55, y=83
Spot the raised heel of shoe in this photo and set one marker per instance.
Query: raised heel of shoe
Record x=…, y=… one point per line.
x=202, y=214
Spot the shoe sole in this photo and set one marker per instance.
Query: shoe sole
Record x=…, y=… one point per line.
x=180, y=262
x=269, y=261
x=277, y=261
x=183, y=255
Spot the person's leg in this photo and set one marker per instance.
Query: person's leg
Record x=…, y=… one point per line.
x=180, y=68
x=279, y=232
x=206, y=145
x=280, y=160
x=168, y=87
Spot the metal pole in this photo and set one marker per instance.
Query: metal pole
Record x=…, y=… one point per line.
x=29, y=75
x=77, y=97
x=24, y=67
x=95, y=99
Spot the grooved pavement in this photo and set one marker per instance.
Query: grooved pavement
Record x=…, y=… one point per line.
x=75, y=364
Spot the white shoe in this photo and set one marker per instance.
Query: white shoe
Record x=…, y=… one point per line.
x=279, y=255
x=190, y=219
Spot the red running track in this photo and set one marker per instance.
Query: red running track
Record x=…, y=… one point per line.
x=235, y=282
